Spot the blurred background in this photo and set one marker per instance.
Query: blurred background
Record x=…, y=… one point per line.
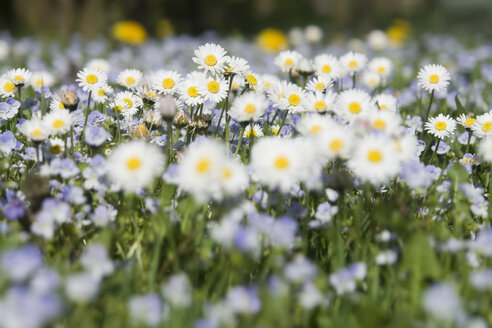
x=94, y=18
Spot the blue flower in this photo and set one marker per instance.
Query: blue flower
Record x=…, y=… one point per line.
x=7, y=142
x=95, y=135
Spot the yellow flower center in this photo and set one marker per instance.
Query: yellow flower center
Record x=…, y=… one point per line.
x=336, y=144
x=61, y=106
x=379, y=124
x=381, y=69
x=326, y=69
x=250, y=109
x=487, y=127
x=203, y=165
x=192, y=92
x=210, y=60
x=130, y=80
x=288, y=62
x=9, y=86
x=100, y=92
x=470, y=121
x=354, y=107
x=58, y=124
x=55, y=149
x=315, y=129
x=91, y=78
x=226, y=173
x=294, y=100
x=434, y=78
x=384, y=107
x=251, y=79
x=281, y=163
x=248, y=134
x=320, y=86
x=36, y=133
x=128, y=102
x=440, y=126
x=353, y=64
x=375, y=156
x=39, y=82
x=168, y=83
x=319, y=105
x=133, y=163
x=18, y=78
x=213, y=86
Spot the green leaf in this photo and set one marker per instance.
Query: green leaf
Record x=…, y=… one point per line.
x=459, y=106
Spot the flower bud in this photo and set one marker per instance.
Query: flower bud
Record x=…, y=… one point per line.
x=69, y=99
x=167, y=107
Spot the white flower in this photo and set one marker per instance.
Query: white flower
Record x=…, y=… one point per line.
x=254, y=81
x=320, y=102
x=19, y=76
x=166, y=82
x=257, y=131
x=127, y=103
x=188, y=90
x=483, y=125
x=100, y=64
x=485, y=149
x=466, y=121
x=213, y=89
x=129, y=78
x=371, y=79
x=237, y=65
x=381, y=66
x=248, y=107
x=101, y=93
x=91, y=78
x=353, y=62
x=293, y=98
x=42, y=79
x=319, y=84
x=314, y=125
x=433, y=78
x=211, y=58
x=35, y=129
x=377, y=40
x=353, y=102
x=233, y=178
x=441, y=126
x=59, y=121
x=335, y=142
x=134, y=165
x=384, y=121
x=386, y=102
x=327, y=66
x=7, y=87
x=287, y=60
x=442, y=302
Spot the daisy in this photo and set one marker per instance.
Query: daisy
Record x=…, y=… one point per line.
x=7, y=87
x=293, y=98
x=100, y=64
x=200, y=167
x=35, y=130
x=353, y=102
x=91, y=78
x=319, y=84
x=101, y=93
x=277, y=163
x=233, y=178
x=213, y=89
x=483, y=125
x=147, y=92
x=326, y=66
x=269, y=80
x=485, y=149
x=275, y=93
x=320, y=102
x=188, y=90
x=254, y=81
x=211, y=58
x=371, y=79
x=237, y=65
x=304, y=66
x=353, y=62
x=386, y=102
x=375, y=160
x=127, y=103
x=440, y=126
x=287, y=60
x=433, y=78
x=166, y=82
x=129, y=78
x=384, y=121
x=42, y=79
x=59, y=121
x=406, y=147
x=466, y=121
x=248, y=107
x=381, y=66
x=19, y=76
x=314, y=125
x=238, y=84
x=335, y=142
x=134, y=165
x=257, y=131
x=56, y=146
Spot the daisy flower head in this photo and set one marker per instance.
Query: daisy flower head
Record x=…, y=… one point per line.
x=485, y=149
x=211, y=57
x=146, y=91
x=277, y=163
x=320, y=102
x=133, y=165
x=353, y=62
x=59, y=121
x=90, y=79
x=440, y=126
x=384, y=121
x=269, y=80
x=304, y=66
x=7, y=87
x=100, y=64
x=314, y=125
x=129, y=78
x=327, y=66
x=233, y=178
x=374, y=159
x=319, y=84
x=35, y=130
x=127, y=103
x=293, y=98
x=287, y=60
x=19, y=76
x=353, y=102
x=335, y=142
x=166, y=82
x=256, y=132
x=254, y=81
x=386, y=102
x=248, y=107
x=237, y=65
x=466, y=121
x=381, y=66
x=199, y=171
x=433, y=78
x=370, y=79
x=483, y=125
x=407, y=147
x=188, y=90
x=102, y=93
x=213, y=89
x=42, y=79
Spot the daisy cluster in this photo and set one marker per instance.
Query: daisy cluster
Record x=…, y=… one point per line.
x=205, y=183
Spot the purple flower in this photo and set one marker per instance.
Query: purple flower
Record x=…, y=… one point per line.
x=20, y=263
x=96, y=118
x=95, y=135
x=7, y=111
x=7, y=142
x=415, y=175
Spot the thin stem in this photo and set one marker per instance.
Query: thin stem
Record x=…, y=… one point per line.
x=470, y=134
x=429, y=107
x=282, y=123
x=226, y=105
x=435, y=150
x=274, y=117
x=86, y=113
x=251, y=134
x=71, y=140
x=170, y=140
x=240, y=140
x=353, y=81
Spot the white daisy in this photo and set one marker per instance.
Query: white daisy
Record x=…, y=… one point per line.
x=275, y=93
x=100, y=64
x=59, y=121
x=381, y=66
x=129, y=78
x=327, y=66
x=42, y=79
x=386, y=102
x=237, y=65
x=269, y=80
x=134, y=165
x=485, y=149
x=188, y=90
x=406, y=147
x=7, y=88
x=319, y=84
x=102, y=93
x=256, y=132
x=370, y=79
x=320, y=102
x=375, y=160
x=248, y=107
x=353, y=62
x=233, y=178
x=254, y=81
x=314, y=125
x=335, y=142
x=55, y=103
x=91, y=78
x=353, y=102
x=483, y=125
x=213, y=89
x=211, y=58
x=466, y=121
x=293, y=98
x=127, y=103
x=384, y=121
x=166, y=82
x=19, y=76
x=35, y=129
x=441, y=126
x=287, y=60
x=433, y=78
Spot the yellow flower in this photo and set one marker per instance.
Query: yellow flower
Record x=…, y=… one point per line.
x=164, y=28
x=130, y=32
x=272, y=40
x=399, y=32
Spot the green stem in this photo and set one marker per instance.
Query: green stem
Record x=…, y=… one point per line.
x=240, y=140
x=86, y=114
x=429, y=107
x=470, y=134
x=282, y=123
x=170, y=140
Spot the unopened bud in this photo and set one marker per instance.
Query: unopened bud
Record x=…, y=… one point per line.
x=167, y=107
x=69, y=99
